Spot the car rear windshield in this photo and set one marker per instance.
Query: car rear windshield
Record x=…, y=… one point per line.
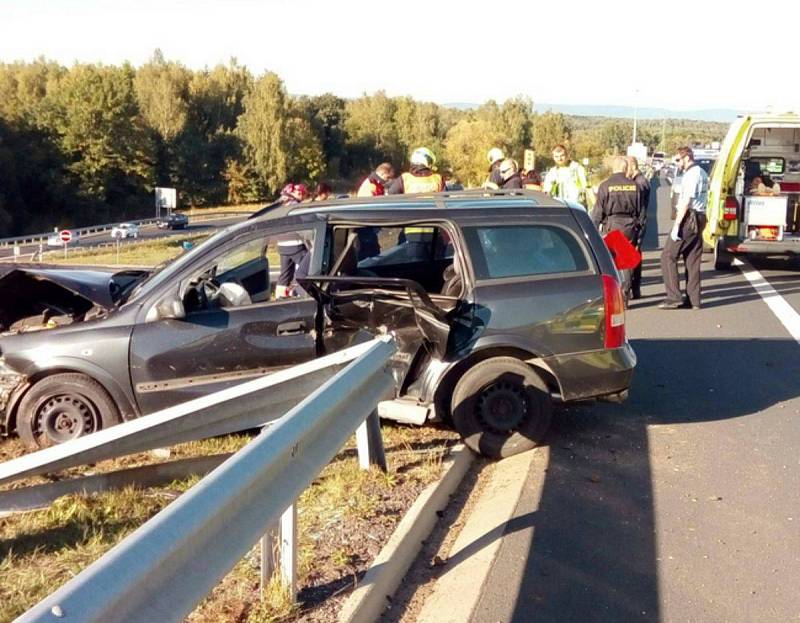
x=501, y=251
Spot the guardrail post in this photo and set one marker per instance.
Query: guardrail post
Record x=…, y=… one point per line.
x=289, y=549
x=370, y=443
x=268, y=542
x=284, y=535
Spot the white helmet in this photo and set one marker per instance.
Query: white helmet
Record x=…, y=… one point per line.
x=507, y=168
x=423, y=157
x=495, y=154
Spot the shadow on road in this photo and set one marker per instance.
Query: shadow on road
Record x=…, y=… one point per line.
x=587, y=550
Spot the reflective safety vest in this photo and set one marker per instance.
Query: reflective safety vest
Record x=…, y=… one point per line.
x=432, y=183
x=419, y=232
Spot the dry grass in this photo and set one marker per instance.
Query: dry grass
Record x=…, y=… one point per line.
x=244, y=207
x=344, y=519
x=145, y=253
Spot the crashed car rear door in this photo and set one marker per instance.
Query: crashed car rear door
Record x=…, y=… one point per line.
x=221, y=325
x=390, y=278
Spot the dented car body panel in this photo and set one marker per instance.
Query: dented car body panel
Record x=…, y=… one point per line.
x=434, y=272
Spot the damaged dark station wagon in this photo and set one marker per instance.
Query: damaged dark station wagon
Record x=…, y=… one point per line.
x=501, y=304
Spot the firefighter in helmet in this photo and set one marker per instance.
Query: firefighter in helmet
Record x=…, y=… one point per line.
x=420, y=178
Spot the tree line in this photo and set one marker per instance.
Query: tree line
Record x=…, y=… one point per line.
x=89, y=143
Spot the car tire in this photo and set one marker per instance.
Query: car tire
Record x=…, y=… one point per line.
x=63, y=407
x=723, y=259
x=501, y=407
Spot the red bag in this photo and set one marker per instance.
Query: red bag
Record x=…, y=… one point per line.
x=624, y=253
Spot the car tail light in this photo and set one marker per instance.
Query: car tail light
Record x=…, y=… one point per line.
x=615, y=312
x=731, y=209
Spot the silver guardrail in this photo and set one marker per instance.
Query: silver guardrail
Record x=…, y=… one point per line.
x=77, y=232
x=93, y=229
x=248, y=405
x=167, y=566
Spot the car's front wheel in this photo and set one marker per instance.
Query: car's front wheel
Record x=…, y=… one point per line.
x=63, y=407
x=501, y=407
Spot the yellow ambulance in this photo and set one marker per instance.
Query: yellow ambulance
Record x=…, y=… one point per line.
x=754, y=190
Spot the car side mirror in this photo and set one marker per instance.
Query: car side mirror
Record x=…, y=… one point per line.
x=169, y=308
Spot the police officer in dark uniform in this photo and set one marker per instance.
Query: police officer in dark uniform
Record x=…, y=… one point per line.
x=644, y=200
x=618, y=206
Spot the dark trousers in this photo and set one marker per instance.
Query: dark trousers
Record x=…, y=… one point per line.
x=289, y=261
x=690, y=247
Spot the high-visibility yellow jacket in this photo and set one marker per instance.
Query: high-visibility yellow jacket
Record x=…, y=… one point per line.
x=432, y=183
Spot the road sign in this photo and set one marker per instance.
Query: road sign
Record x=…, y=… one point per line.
x=529, y=160
x=65, y=235
x=166, y=198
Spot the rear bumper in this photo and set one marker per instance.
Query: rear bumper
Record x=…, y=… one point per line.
x=594, y=374
x=763, y=247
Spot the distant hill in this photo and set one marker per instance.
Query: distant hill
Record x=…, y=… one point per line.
x=625, y=112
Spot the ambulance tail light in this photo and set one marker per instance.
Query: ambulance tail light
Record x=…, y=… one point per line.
x=731, y=209
x=615, y=312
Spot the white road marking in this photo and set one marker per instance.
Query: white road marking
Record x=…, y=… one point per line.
x=782, y=310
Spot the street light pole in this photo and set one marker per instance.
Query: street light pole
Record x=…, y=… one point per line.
x=635, y=115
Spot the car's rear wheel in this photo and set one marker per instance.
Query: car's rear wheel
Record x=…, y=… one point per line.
x=63, y=407
x=501, y=407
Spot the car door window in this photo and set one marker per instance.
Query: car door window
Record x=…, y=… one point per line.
x=520, y=250
x=241, y=275
x=417, y=251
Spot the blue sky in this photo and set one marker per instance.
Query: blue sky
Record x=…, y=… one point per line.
x=676, y=54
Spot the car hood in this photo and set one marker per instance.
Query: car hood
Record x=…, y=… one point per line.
x=27, y=292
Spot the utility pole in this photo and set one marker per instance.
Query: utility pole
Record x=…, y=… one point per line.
x=635, y=115
x=663, y=134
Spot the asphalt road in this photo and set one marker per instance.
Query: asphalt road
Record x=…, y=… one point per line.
x=683, y=504
x=145, y=233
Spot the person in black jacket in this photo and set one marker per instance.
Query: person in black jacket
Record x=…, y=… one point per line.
x=509, y=174
x=618, y=207
x=644, y=200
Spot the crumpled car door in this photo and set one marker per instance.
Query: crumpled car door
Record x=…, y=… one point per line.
x=381, y=305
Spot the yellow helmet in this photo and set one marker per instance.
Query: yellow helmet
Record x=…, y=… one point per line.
x=423, y=156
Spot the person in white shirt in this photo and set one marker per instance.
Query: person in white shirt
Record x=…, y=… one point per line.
x=686, y=237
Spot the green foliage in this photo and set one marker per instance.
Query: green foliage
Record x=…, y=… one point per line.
x=88, y=143
x=162, y=91
x=549, y=129
x=326, y=114
x=468, y=142
x=371, y=132
x=98, y=127
x=262, y=128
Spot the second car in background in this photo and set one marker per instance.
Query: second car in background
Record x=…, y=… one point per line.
x=174, y=221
